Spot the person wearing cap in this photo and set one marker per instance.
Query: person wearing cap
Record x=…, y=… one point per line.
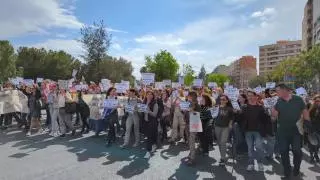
x=288, y=111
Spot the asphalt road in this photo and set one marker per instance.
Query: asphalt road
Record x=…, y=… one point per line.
x=41, y=157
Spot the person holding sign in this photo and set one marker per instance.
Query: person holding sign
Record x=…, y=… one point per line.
x=132, y=119
x=179, y=122
x=151, y=125
x=195, y=110
x=223, y=125
x=110, y=114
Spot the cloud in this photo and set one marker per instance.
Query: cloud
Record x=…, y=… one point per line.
x=22, y=17
x=167, y=39
x=190, y=52
x=116, y=30
x=266, y=13
x=216, y=40
x=116, y=46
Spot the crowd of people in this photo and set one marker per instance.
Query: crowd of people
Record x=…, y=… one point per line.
x=260, y=131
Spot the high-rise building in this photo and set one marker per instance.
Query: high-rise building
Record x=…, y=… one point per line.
x=316, y=21
x=271, y=55
x=307, y=26
x=243, y=70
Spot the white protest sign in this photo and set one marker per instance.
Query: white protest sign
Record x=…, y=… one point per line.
x=142, y=107
x=258, y=90
x=270, y=102
x=63, y=84
x=105, y=83
x=39, y=80
x=226, y=84
x=235, y=105
x=301, y=91
x=121, y=88
x=214, y=111
x=166, y=82
x=232, y=93
x=110, y=103
x=84, y=86
x=184, y=105
x=185, y=93
x=129, y=108
x=195, y=124
x=74, y=72
x=28, y=82
x=176, y=85
x=270, y=85
x=212, y=85
x=197, y=82
x=159, y=85
x=181, y=80
x=147, y=78
x=78, y=87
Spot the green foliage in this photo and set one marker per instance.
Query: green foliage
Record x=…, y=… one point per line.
x=96, y=42
x=188, y=74
x=7, y=61
x=258, y=81
x=220, y=79
x=163, y=64
x=50, y=64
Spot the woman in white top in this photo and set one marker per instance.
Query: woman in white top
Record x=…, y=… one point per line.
x=178, y=118
x=65, y=119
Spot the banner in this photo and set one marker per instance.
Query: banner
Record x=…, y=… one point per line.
x=13, y=101
x=195, y=124
x=147, y=78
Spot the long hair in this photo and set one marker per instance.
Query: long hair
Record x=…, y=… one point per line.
x=152, y=101
x=313, y=109
x=109, y=91
x=207, y=100
x=227, y=98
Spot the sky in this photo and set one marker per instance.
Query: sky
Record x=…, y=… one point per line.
x=196, y=32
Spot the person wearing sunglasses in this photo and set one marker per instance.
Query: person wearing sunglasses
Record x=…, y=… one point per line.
x=223, y=125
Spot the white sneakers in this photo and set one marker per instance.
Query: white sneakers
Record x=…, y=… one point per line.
x=251, y=167
x=154, y=148
x=260, y=167
x=148, y=155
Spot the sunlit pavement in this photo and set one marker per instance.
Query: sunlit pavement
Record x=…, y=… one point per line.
x=86, y=157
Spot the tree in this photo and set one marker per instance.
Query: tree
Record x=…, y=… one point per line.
x=258, y=81
x=188, y=74
x=163, y=64
x=220, y=79
x=202, y=73
x=96, y=42
x=50, y=64
x=7, y=61
x=143, y=69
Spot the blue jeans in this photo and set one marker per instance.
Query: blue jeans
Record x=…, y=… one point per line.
x=295, y=141
x=254, y=140
x=270, y=146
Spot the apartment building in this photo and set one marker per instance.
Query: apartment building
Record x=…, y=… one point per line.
x=271, y=55
x=243, y=70
x=307, y=26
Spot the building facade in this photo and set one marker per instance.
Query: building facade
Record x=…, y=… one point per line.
x=243, y=70
x=307, y=26
x=316, y=21
x=271, y=55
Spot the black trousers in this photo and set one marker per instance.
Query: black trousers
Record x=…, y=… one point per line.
x=112, y=119
x=151, y=132
x=205, y=138
x=164, y=122
x=84, y=122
